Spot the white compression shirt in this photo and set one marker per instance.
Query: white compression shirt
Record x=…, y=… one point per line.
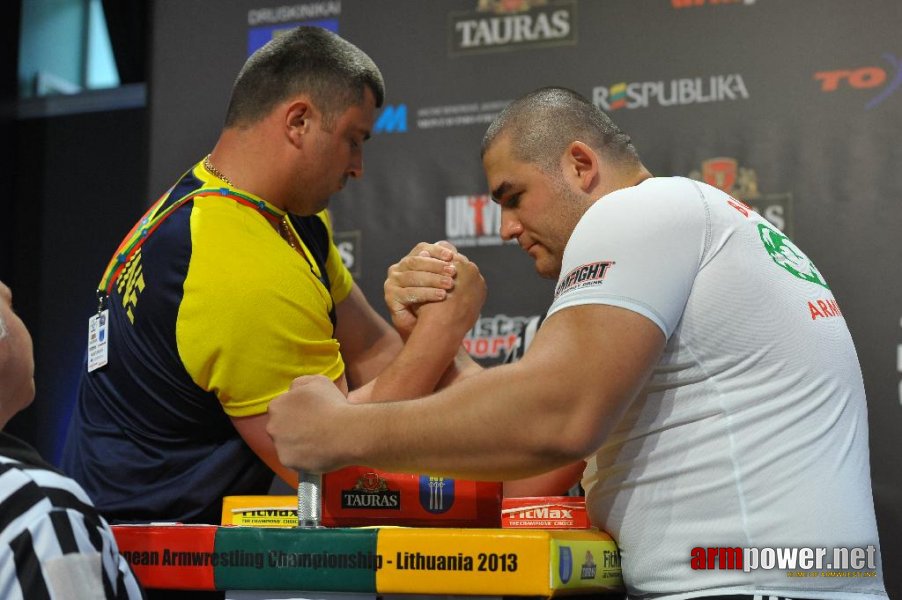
x=752, y=431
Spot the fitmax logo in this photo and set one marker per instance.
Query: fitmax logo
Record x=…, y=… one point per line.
x=871, y=77
x=393, y=119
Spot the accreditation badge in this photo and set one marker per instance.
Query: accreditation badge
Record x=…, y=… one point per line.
x=98, y=340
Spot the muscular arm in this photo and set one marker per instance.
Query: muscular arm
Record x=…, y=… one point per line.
x=433, y=343
x=368, y=343
x=377, y=363
x=554, y=407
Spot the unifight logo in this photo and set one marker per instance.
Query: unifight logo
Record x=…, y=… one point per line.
x=583, y=276
x=870, y=78
x=676, y=92
x=494, y=337
x=371, y=491
x=726, y=174
x=472, y=221
x=512, y=24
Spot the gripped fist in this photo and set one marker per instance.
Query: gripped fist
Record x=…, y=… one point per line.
x=302, y=424
x=425, y=275
x=463, y=303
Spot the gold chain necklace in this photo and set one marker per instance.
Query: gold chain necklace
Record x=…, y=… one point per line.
x=286, y=231
x=284, y=228
x=209, y=166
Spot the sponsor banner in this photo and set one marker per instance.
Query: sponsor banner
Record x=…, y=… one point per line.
x=169, y=556
x=547, y=512
x=470, y=561
x=458, y=115
x=697, y=3
x=313, y=559
x=257, y=37
x=473, y=221
x=880, y=83
x=293, y=13
x=676, y=92
x=500, y=25
x=582, y=562
x=485, y=562
x=360, y=496
x=392, y=119
x=725, y=173
x=349, y=249
x=266, y=23
x=260, y=511
x=496, y=336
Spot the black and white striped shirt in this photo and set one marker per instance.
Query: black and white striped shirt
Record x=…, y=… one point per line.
x=53, y=544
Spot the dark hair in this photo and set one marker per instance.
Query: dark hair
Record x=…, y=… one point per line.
x=544, y=122
x=312, y=60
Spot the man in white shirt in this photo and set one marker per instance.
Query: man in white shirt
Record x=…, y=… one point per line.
x=692, y=355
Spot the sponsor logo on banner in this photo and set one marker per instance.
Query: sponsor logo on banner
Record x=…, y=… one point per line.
x=473, y=221
x=565, y=564
x=583, y=276
x=268, y=22
x=392, y=119
x=498, y=25
x=371, y=492
x=460, y=115
x=676, y=92
x=742, y=183
x=436, y=493
x=696, y=3
x=589, y=568
x=494, y=337
x=872, y=78
x=348, y=244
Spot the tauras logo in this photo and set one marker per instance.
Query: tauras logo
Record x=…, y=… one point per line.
x=742, y=183
x=676, y=92
x=513, y=23
x=371, y=491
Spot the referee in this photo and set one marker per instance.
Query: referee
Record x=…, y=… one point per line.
x=53, y=544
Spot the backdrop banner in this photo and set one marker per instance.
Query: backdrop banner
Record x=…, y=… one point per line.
x=792, y=107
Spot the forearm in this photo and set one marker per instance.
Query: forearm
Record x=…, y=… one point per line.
x=517, y=432
x=417, y=369
x=461, y=367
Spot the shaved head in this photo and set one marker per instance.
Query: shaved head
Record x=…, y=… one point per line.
x=544, y=122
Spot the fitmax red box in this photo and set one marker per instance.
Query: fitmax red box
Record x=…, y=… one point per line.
x=544, y=512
